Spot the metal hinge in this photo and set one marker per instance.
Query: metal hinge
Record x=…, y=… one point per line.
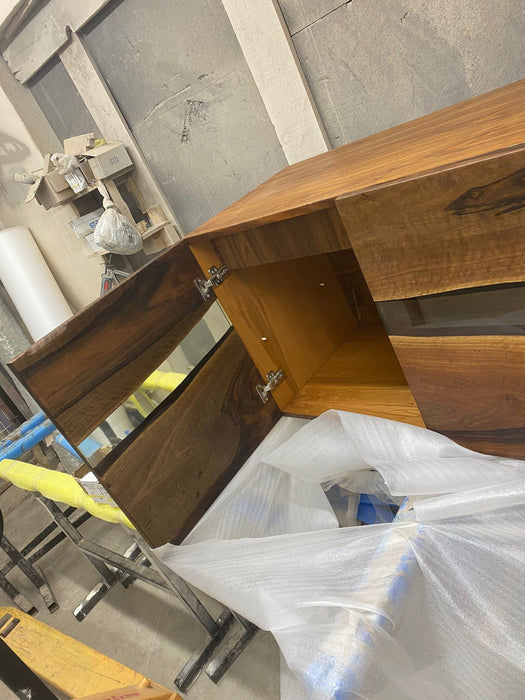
x=274, y=379
x=216, y=278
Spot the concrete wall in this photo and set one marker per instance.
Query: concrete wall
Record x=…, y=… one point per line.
x=179, y=77
x=372, y=64
x=178, y=74
x=77, y=276
x=61, y=102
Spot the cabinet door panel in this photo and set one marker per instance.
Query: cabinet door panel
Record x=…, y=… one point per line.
x=453, y=229
x=471, y=388
x=84, y=369
x=169, y=470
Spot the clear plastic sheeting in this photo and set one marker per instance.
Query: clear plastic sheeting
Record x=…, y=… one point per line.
x=424, y=607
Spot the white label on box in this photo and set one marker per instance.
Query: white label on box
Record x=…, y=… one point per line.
x=94, y=246
x=76, y=180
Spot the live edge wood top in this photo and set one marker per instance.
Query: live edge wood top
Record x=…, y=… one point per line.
x=486, y=124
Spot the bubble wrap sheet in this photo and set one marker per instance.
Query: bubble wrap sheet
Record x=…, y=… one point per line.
x=429, y=606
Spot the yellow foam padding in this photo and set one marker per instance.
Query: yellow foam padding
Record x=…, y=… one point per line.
x=60, y=487
x=163, y=380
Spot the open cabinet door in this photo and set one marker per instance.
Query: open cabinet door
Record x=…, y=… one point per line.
x=168, y=471
x=173, y=465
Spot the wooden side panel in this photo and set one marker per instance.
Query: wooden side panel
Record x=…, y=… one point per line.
x=469, y=387
x=84, y=369
x=291, y=315
x=450, y=230
x=168, y=472
x=311, y=234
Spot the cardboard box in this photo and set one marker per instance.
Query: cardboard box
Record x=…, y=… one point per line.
x=107, y=160
x=50, y=190
x=93, y=245
x=57, y=182
x=87, y=172
x=84, y=225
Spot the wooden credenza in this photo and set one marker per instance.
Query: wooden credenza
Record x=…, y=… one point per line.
x=385, y=277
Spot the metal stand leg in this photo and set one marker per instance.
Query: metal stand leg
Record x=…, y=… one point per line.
x=135, y=564
x=198, y=660
x=230, y=651
x=164, y=578
x=18, y=599
x=216, y=630
x=34, y=574
x=70, y=531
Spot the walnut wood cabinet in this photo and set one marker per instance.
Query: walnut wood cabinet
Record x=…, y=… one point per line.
x=385, y=277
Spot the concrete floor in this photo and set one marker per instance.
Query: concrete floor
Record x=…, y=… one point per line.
x=140, y=627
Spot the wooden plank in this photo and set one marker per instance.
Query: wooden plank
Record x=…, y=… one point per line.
x=84, y=369
x=270, y=54
x=481, y=125
x=362, y=376
x=291, y=315
x=168, y=472
x=468, y=384
x=449, y=230
x=310, y=234
x=46, y=33
x=69, y=666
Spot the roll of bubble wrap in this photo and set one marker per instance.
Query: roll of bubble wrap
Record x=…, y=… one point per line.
x=30, y=283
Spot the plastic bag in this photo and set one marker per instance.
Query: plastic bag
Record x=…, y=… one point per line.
x=115, y=233
x=429, y=606
x=68, y=166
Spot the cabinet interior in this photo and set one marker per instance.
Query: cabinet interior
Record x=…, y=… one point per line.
x=315, y=319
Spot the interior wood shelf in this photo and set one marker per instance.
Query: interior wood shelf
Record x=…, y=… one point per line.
x=152, y=230
x=362, y=376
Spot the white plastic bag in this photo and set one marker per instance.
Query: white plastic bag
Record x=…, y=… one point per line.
x=430, y=606
x=68, y=166
x=115, y=233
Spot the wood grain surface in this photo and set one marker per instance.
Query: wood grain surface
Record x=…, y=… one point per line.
x=449, y=230
x=467, y=384
x=485, y=124
x=291, y=315
x=362, y=376
x=84, y=369
x=168, y=472
x=501, y=443
x=311, y=234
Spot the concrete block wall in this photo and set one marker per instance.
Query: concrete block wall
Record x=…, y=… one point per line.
x=372, y=64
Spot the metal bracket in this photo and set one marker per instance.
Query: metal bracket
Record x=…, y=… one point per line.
x=274, y=379
x=217, y=276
